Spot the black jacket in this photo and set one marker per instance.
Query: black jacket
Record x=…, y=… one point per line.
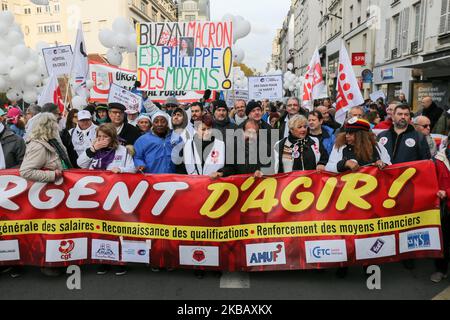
x=309, y=159
x=13, y=149
x=406, y=147
x=268, y=130
x=223, y=126
x=433, y=113
x=349, y=153
x=282, y=122
x=66, y=139
x=129, y=134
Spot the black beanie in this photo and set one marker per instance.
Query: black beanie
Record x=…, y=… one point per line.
x=250, y=106
x=219, y=104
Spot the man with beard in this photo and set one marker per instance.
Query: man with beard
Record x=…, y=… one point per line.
x=402, y=141
x=328, y=119
x=239, y=112
x=222, y=121
x=404, y=144
x=181, y=124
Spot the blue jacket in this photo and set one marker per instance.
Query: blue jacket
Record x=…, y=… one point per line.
x=155, y=153
x=327, y=138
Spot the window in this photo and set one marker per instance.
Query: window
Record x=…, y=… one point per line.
x=39, y=9
x=57, y=8
x=4, y=6
x=102, y=24
x=86, y=26
x=444, y=26
x=49, y=28
x=27, y=10
x=396, y=32
x=47, y=9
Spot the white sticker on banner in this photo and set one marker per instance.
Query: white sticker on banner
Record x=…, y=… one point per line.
x=325, y=251
x=265, y=254
x=199, y=256
x=377, y=247
x=66, y=250
x=105, y=250
x=419, y=240
x=136, y=251
x=9, y=250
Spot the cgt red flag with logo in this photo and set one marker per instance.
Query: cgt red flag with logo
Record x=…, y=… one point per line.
x=303, y=220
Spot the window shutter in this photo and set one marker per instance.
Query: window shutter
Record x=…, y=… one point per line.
x=387, y=40
x=423, y=14
x=405, y=33
x=443, y=23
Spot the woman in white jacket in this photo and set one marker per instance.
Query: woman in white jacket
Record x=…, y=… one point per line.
x=106, y=153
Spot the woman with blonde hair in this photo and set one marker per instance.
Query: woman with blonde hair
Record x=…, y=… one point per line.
x=106, y=153
x=45, y=157
x=299, y=152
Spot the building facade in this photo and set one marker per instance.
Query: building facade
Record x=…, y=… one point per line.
x=57, y=23
x=190, y=10
x=413, y=50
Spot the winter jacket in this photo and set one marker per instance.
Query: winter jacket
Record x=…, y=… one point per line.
x=442, y=126
x=13, y=149
x=122, y=160
x=443, y=174
x=406, y=147
x=193, y=161
x=433, y=113
x=155, y=153
x=129, y=134
x=40, y=162
x=223, y=126
x=327, y=138
x=339, y=157
x=246, y=161
x=313, y=155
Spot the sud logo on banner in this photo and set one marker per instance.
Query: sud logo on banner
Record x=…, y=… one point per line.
x=188, y=56
x=105, y=250
x=130, y=100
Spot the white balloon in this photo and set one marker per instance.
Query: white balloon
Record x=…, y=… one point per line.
x=121, y=25
x=14, y=94
x=243, y=29
x=4, y=67
x=292, y=88
x=3, y=84
x=78, y=102
x=17, y=74
x=90, y=84
x=21, y=52
x=30, y=66
x=121, y=42
x=30, y=96
x=106, y=38
x=132, y=43
x=32, y=80
x=4, y=28
x=7, y=17
x=238, y=55
x=13, y=37
x=115, y=58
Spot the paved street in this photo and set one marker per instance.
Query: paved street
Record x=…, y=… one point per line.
x=142, y=283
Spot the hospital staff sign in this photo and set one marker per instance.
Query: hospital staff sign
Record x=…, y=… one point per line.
x=187, y=56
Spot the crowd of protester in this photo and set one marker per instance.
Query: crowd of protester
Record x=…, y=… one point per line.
x=214, y=139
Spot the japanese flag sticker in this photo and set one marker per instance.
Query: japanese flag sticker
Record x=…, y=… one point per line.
x=410, y=143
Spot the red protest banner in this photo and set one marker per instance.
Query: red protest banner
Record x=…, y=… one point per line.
x=298, y=221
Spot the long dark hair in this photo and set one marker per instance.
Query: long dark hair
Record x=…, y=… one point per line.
x=364, y=143
x=69, y=121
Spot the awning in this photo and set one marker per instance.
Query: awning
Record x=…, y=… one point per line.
x=442, y=62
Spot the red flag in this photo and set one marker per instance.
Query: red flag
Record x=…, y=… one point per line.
x=349, y=95
x=52, y=94
x=314, y=86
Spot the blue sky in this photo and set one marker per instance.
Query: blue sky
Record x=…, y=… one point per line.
x=265, y=17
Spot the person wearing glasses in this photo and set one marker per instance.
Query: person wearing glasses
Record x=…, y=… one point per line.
x=292, y=108
x=127, y=133
x=299, y=152
x=423, y=125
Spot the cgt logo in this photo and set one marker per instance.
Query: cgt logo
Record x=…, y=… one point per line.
x=66, y=247
x=266, y=256
x=419, y=240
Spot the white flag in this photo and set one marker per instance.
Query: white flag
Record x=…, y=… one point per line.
x=314, y=86
x=80, y=65
x=348, y=92
x=52, y=94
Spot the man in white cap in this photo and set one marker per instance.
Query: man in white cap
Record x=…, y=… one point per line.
x=154, y=150
x=80, y=138
x=132, y=116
